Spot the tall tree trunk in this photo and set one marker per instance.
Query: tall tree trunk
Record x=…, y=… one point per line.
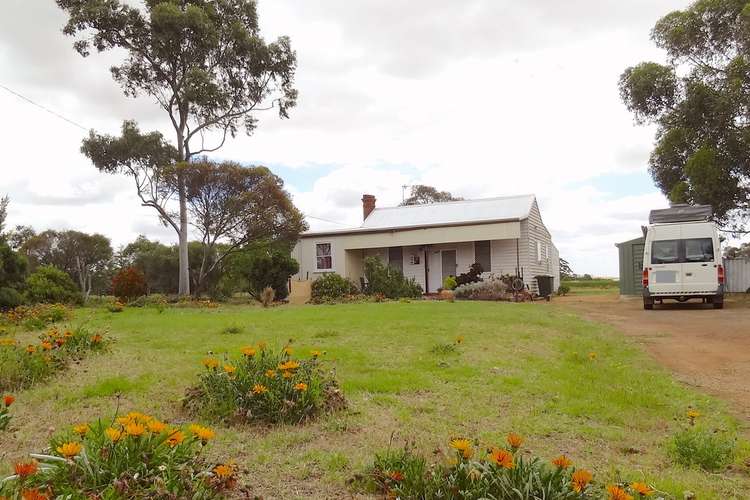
x=184, y=286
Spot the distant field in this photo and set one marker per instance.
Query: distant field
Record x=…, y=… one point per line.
x=592, y=287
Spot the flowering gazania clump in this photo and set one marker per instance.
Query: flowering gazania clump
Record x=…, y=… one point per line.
x=94, y=457
x=261, y=385
x=8, y=400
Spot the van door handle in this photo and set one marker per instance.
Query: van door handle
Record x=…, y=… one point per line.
x=688, y=274
x=704, y=265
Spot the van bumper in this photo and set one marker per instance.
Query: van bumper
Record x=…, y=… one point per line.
x=717, y=297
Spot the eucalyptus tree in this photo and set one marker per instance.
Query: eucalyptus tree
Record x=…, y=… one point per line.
x=203, y=61
x=700, y=103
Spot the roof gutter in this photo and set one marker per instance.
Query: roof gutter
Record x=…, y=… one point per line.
x=406, y=228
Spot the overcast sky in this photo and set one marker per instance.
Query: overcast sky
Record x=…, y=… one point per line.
x=479, y=97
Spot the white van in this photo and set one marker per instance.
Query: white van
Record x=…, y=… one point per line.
x=682, y=261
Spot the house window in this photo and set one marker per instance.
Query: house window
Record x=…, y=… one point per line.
x=482, y=255
x=396, y=258
x=323, y=256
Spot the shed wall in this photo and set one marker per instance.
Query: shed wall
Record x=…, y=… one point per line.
x=738, y=275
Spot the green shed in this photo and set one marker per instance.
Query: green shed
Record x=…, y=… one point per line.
x=631, y=266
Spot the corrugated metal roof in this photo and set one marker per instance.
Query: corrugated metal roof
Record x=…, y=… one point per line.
x=443, y=214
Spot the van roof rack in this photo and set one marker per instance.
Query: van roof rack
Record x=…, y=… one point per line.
x=681, y=213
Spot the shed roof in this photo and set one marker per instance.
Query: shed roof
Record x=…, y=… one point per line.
x=506, y=208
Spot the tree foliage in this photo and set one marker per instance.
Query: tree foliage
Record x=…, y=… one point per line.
x=566, y=272
x=699, y=102
x=741, y=252
x=267, y=267
x=203, y=61
x=4, y=202
x=51, y=285
x=421, y=194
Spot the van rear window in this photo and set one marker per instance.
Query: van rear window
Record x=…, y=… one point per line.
x=699, y=250
x=665, y=252
x=682, y=251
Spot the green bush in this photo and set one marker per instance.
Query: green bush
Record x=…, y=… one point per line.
x=563, y=290
x=389, y=282
x=9, y=298
x=129, y=284
x=331, y=287
x=264, y=386
x=449, y=283
x=705, y=448
x=50, y=285
x=134, y=457
x=270, y=269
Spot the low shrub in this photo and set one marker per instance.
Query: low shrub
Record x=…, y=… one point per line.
x=137, y=456
x=38, y=316
x=5, y=411
x=473, y=276
x=129, y=284
x=443, y=349
x=9, y=298
x=389, y=282
x=469, y=472
x=23, y=366
x=50, y=285
x=449, y=283
x=264, y=386
x=232, y=330
x=697, y=445
x=331, y=287
x=563, y=290
x=116, y=307
x=492, y=288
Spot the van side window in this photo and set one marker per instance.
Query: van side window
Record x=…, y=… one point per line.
x=699, y=250
x=665, y=252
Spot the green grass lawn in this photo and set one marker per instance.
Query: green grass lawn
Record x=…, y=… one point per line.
x=522, y=368
x=598, y=286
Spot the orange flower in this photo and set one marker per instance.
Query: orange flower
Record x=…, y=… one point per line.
x=23, y=470
x=463, y=446
x=514, y=440
x=502, y=457
x=271, y=373
x=229, y=370
x=202, y=433
x=580, y=479
x=396, y=476
x=210, y=363
x=46, y=346
x=460, y=339
x=287, y=374
x=67, y=334
x=96, y=338
x=69, y=450
x=156, y=427
x=248, y=351
x=113, y=434
x=135, y=429
x=8, y=400
x=175, y=437
x=81, y=429
x=34, y=494
x=562, y=462
x=288, y=350
x=642, y=489
x=301, y=387
x=315, y=353
x=260, y=389
x=224, y=471
x=30, y=349
x=289, y=365
x=617, y=493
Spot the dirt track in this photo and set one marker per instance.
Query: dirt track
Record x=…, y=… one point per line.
x=706, y=348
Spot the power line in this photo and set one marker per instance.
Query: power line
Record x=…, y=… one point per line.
x=326, y=220
x=54, y=113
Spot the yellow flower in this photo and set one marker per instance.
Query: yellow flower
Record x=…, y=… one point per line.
x=271, y=373
x=229, y=369
x=502, y=457
x=301, y=387
x=580, y=479
x=156, y=427
x=30, y=349
x=210, y=363
x=592, y=356
x=135, y=429
x=288, y=350
x=617, y=493
x=693, y=414
x=202, y=433
x=562, y=462
x=514, y=440
x=175, y=437
x=224, y=471
x=69, y=450
x=248, y=351
x=286, y=374
x=136, y=416
x=642, y=489
x=68, y=334
x=81, y=429
x=46, y=345
x=260, y=389
x=113, y=434
x=463, y=446
x=289, y=365
x=460, y=339
x=262, y=346
x=315, y=353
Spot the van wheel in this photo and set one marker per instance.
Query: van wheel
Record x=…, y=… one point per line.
x=718, y=305
x=648, y=305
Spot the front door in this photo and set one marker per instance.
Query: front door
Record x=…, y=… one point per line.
x=449, y=263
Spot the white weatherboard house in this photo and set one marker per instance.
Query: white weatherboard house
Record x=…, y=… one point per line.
x=429, y=242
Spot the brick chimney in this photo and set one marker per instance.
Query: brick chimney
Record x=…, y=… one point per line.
x=368, y=205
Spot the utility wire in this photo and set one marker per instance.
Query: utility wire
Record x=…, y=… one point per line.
x=326, y=220
x=54, y=113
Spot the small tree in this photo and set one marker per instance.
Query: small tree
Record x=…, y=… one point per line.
x=382, y=279
x=566, y=272
x=129, y=284
x=421, y=194
x=268, y=268
x=51, y=285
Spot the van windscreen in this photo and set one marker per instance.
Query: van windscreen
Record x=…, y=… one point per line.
x=665, y=252
x=699, y=250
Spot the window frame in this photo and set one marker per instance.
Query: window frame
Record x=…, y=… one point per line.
x=682, y=252
x=330, y=256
